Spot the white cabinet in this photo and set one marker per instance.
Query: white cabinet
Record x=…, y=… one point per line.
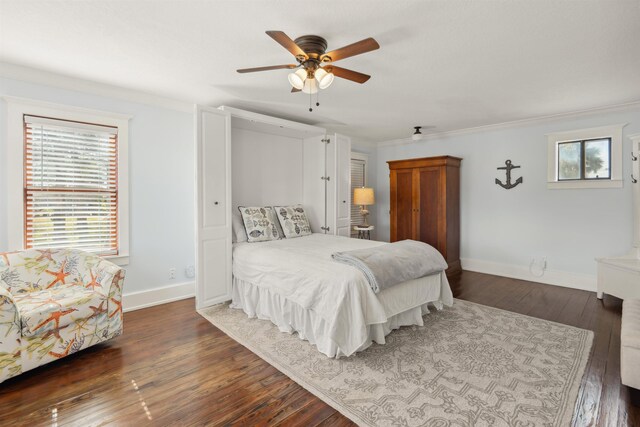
x=343, y=185
x=213, y=200
x=327, y=183
x=321, y=183
x=315, y=172
x=635, y=139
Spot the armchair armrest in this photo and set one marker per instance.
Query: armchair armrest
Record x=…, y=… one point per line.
x=111, y=280
x=10, y=336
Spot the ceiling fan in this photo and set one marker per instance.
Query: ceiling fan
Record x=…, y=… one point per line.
x=316, y=64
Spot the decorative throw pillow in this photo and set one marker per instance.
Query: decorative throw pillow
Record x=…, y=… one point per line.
x=274, y=219
x=258, y=223
x=293, y=220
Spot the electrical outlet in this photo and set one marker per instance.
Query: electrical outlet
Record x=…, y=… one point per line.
x=172, y=273
x=190, y=271
x=538, y=266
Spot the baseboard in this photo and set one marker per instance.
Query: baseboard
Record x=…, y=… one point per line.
x=551, y=277
x=142, y=299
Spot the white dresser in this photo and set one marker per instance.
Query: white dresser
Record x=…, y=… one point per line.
x=620, y=276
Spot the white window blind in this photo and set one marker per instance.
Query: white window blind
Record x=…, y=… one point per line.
x=70, y=185
x=357, y=181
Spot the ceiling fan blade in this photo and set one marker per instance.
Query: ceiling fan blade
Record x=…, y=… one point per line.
x=294, y=90
x=363, y=46
x=271, y=67
x=287, y=43
x=354, y=76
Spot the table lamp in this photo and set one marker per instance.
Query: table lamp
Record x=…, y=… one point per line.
x=364, y=197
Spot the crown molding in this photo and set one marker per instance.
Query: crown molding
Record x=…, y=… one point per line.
x=512, y=124
x=19, y=101
x=34, y=75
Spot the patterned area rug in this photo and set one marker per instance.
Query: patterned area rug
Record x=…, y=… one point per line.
x=470, y=365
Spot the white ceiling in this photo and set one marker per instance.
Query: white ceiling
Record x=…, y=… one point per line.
x=448, y=64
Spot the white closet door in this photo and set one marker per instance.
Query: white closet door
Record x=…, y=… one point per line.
x=332, y=185
x=314, y=169
x=635, y=139
x=343, y=185
x=213, y=206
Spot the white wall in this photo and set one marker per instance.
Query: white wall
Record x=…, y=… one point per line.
x=161, y=176
x=501, y=230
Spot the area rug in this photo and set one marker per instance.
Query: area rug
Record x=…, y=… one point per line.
x=470, y=365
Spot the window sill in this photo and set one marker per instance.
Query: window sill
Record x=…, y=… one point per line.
x=118, y=259
x=566, y=185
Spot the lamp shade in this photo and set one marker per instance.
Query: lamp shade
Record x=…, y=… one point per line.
x=297, y=79
x=363, y=196
x=324, y=79
x=310, y=86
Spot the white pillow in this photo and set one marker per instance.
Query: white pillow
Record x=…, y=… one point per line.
x=258, y=223
x=238, y=233
x=293, y=220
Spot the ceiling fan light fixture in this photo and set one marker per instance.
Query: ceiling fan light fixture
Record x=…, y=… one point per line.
x=310, y=86
x=298, y=78
x=417, y=135
x=311, y=54
x=324, y=78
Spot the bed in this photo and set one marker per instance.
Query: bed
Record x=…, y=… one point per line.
x=295, y=284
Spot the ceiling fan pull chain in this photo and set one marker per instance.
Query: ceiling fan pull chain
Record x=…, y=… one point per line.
x=310, y=101
x=318, y=98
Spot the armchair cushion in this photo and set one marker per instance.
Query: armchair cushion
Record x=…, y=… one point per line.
x=55, y=308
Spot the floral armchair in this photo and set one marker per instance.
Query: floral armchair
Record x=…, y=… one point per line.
x=54, y=303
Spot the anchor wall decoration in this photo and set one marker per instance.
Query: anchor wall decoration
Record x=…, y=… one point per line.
x=508, y=166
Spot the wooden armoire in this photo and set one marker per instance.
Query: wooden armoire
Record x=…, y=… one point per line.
x=425, y=204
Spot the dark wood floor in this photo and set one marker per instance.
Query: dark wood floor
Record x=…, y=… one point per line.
x=172, y=367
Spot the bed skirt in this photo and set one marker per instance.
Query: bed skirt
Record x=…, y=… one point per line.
x=290, y=317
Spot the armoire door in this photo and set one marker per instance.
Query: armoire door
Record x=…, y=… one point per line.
x=430, y=226
x=403, y=211
x=213, y=206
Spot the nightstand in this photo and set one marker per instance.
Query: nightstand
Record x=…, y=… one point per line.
x=364, y=232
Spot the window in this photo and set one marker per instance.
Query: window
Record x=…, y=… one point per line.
x=70, y=185
x=588, y=158
x=358, y=179
x=67, y=178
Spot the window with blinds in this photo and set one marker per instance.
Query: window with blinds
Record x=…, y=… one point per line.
x=357, y=180
x=70, y=185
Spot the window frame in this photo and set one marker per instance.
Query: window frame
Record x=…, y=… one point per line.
x=583, y=159
x=612, y=132
x=17, y=108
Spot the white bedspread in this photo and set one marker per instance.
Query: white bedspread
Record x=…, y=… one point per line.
x=301, y=270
